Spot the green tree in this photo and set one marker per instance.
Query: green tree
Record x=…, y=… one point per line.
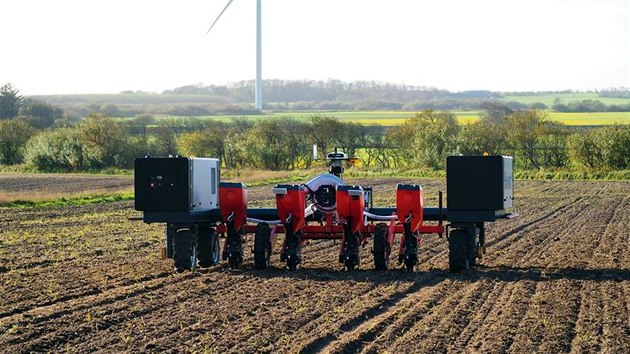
x=166, y=140
x=605, y=147
x=326, y=132
x=60, y=149
x=276, y=143
x=524, y=131
x=210, y=142
x=14, y=134
x=584, y=149
x=40, y=114
x=377, y=150
x=400, y=139
x=141, y=123
x=350, y=137
x=615, y=143
x=10, y=101
x=105, y=136
x=433, y=138
x=495, y=112
x=553, y=145
x=482, y=136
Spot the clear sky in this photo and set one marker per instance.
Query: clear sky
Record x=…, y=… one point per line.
x=97, y=46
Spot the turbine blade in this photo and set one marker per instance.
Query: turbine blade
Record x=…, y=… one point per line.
x=218, y=17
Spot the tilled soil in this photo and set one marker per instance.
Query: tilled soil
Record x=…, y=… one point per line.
x=555, y=279
x=39, y=186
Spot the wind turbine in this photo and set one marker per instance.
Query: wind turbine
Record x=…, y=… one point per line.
x=259, y=82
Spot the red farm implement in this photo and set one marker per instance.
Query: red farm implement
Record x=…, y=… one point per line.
x=185, y=193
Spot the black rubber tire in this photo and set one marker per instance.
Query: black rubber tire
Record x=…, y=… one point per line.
x=459, y=250
x=262, y=246
x=381, y=248
x=207, y=247
x=184, y=250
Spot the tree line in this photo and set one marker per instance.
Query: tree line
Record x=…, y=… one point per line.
x=38, y=134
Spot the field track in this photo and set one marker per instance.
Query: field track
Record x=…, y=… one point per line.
x=556, y=279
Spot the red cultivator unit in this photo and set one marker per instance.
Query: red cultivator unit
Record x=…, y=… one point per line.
x=186, y=194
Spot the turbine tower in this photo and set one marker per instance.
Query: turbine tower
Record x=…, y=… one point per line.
x=259, y=83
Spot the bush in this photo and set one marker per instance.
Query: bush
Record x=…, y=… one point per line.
x=60, y=149
x=14, y=135
x=605, y=147
x=482, y=136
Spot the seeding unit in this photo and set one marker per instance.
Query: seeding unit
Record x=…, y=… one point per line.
x=198, y=209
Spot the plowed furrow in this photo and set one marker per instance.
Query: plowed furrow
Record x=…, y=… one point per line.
x=615, y=329
x=530, y=241
x=297, y=311
x=506, y=236
x=551, y=315
x=77, y=294
x=480, y=313
x=563, y=315
x=402, y=325
x=401, y=315
x=434, y=331
x=370, y=307
x=578, y=237
x=588, y=327
x=497, y=332
x=108, y=307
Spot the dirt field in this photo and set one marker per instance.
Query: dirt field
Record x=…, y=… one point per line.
x=556, y=279
x=50, y=186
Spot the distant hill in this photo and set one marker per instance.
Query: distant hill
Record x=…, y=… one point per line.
x=279, y=95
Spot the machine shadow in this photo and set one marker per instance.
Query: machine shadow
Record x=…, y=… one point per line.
x=436, y=275
x=502, y=273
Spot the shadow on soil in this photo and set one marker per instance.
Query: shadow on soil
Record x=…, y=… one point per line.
x=546, y=274
x=434, y=276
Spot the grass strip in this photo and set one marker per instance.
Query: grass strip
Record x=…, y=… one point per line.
x=70, y=201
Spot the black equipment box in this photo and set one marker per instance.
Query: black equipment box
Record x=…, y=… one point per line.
x=176, y=184
x=479, y=183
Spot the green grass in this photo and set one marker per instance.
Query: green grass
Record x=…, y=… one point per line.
x=568, y=175
x=621, y=175
x=72, y=201
x=23, y=168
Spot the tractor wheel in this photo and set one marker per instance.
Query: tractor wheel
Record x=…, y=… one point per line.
x=381, y=247
x=262, y=246
x=460, y=249
x=208, y=247
x=184, y=250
